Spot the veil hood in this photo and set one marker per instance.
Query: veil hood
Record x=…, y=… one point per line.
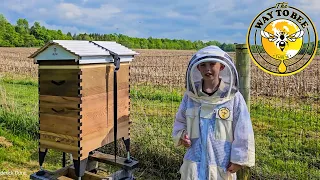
x=228, y=75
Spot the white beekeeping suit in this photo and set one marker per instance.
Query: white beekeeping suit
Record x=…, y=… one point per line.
x=219, y=126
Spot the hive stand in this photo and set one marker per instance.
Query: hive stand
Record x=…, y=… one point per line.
x=69, y=172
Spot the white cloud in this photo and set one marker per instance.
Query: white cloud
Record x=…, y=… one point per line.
x=309, y=6
x=132, y=33
x=239, y=37
x=64, y=29
x=224, y=5
x=42, y=10
x=181, y=33
x=174, y=14
x=225, y=20
x=86, y=15
x=69, y=11
x=234, y=26
x=20, y=5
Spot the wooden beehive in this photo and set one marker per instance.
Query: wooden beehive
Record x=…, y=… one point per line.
x=76, y=95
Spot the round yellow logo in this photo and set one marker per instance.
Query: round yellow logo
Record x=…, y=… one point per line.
x=224, y=113
x=282, y=40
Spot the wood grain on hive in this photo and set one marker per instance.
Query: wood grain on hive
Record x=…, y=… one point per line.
x=76, y=106
x=97, y=105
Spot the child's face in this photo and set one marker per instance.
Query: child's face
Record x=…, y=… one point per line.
x=210, y=70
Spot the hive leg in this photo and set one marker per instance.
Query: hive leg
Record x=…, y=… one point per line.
x=80, y=166
x=42, y=155
x=63, y=159
x=127, y=144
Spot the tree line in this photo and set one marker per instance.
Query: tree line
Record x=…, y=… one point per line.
x=22, y=35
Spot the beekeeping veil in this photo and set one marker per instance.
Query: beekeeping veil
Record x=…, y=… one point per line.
x=228, y=75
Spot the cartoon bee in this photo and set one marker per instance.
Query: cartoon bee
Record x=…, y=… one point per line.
x=224, y=113
x=281, y=38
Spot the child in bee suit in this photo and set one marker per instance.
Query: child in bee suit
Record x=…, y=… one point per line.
x=213, y=121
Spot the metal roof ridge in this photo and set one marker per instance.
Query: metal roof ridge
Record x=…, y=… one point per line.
x=96, y=43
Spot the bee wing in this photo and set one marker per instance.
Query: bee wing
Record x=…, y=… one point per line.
x=293, y=37
x=268, y=35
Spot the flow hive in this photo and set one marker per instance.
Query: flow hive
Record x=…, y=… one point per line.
x=76, y=111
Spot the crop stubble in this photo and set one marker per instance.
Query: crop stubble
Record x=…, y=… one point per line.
x=168, y=67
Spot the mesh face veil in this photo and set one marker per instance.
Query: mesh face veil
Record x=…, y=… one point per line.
x=228, y=75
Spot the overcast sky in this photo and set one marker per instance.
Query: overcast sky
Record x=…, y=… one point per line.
x=225, y=20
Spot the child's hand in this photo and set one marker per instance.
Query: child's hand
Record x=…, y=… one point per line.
x=233, y=167
x=186, y=141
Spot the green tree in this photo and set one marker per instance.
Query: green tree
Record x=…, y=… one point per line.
x=223, y=46
x=8, y=36
x=151, y=43
x=22, y=27
x=39, y=32
x=37, y=35
x=230, y=48
x=198, y=45
x=144, y=44
x=157, y=43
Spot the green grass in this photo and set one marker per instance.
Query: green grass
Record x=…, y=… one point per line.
x=287, y=137
x=22, y=156
x=19, y=153
x=19, y=105
x=161, y=93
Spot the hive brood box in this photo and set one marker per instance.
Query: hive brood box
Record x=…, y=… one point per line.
x=76, y=95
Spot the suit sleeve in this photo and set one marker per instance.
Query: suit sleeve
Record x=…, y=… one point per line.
x=243, y=145
x=180, y=124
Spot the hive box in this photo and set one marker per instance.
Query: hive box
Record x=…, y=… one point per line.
x=76, y=95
